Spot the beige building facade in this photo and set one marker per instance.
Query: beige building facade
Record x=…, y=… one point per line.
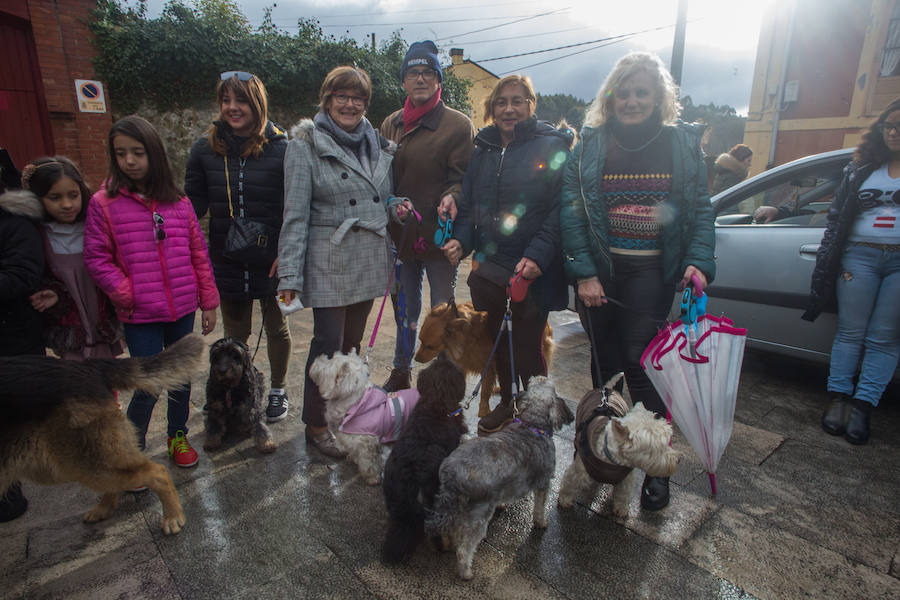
x=824, y=70
x=483, y=82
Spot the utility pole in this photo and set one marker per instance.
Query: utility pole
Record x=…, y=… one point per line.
x=373, y=41
x=678, y=44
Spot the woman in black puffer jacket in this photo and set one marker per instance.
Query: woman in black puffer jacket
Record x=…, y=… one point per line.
x=509, y=218
x=237, y=168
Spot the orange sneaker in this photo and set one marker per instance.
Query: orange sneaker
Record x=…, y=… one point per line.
x=181, y=452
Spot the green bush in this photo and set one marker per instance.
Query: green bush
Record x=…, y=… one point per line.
x=172, y=62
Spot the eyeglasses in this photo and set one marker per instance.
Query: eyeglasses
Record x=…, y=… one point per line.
x=344, y=99
x=241, y=75
x=515, y=102
x=890, y=127
x=428, y=75
x=158, y=222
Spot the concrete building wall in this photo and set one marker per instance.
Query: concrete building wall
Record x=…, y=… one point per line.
x=832, y=51
x=483, y=82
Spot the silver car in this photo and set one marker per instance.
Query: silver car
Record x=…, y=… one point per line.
x=764, y=268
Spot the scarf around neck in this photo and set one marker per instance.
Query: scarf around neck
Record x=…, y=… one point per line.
x=413, y=114
x=361, y=143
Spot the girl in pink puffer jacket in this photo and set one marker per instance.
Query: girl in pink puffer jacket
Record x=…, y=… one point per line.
x=144, y=248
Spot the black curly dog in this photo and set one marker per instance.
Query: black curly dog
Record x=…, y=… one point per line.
x=234, y=397
x=411, y=472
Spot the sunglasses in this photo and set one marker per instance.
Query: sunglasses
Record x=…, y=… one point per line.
x=241, y=75
x=158, y=222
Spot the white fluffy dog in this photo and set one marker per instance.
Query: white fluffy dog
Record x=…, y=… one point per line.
x=612, y=443
x=485, y=472
x=361, y=416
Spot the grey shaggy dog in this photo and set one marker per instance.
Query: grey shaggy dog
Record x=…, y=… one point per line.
x=499, y=469
x=411, y=472
x=234, y=397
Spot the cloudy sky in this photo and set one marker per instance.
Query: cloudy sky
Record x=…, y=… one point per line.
x=719, y=57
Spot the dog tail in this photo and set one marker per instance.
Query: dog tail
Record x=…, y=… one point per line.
x=170, y=369
x=400, y=540
x=447, y=509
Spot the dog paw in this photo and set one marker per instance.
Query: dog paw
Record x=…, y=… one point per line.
x=211, y=445
x=98, y=513
x=172, y=524
x=565, y=504
x=620, y=513
x=466, y=574
x=267, y=447
x=540, y=523
x=373, y=481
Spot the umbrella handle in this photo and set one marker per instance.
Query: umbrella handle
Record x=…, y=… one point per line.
x=712, y=482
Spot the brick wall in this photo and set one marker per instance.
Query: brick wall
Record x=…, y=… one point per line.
x=65, y=52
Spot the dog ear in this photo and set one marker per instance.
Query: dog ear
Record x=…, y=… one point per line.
x=562, y=414
x=246, y=359
x=619, y=430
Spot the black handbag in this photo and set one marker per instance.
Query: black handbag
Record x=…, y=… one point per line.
x=248, y=242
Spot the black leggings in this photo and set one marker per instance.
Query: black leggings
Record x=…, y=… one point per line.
x=528, y=322
x=622, y=334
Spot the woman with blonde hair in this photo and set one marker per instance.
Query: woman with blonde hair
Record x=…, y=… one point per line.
x=335, y=252
x=236, y=170
x=635, y=223
x=509, y=219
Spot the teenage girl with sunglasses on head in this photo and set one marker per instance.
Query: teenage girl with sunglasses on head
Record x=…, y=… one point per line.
x=144, y=248
x=79, y=320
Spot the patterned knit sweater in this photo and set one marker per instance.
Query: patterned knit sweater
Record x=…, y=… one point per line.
x=634, y=184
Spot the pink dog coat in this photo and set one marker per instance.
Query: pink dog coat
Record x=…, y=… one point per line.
x=380, y=414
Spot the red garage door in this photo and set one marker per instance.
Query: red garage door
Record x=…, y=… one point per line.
x=24, y=126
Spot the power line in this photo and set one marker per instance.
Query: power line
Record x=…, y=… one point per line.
x=606, y=39
x=426, y=22
x=530, y=35
x=417, y=10
x=503, y=24
x=543, y=62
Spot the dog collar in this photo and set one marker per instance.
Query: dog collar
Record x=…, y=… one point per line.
x=537, y=430
x=606, y=451
x=456, y=412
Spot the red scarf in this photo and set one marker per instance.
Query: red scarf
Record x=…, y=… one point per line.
x=413, y=114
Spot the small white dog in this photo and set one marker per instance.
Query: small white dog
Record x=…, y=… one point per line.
x=611, y=443
x=486, y=472
x=361, y=416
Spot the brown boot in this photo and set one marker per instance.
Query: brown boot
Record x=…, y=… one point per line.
x=399, y=380
x=497, y=418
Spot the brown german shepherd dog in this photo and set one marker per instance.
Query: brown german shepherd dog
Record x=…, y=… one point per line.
x=61, y=423
x=461, y=332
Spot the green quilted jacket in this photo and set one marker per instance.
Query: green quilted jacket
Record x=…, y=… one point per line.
x=688, y=233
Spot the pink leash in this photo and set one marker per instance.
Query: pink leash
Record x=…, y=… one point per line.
x=387, y=290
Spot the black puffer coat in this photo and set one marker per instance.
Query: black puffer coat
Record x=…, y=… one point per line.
x=510, y=206
x=21, y=268
x=841, y=217
x=263, y=184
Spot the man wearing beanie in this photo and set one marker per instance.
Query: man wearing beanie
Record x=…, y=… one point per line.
x=731, y=168
x=434, y=147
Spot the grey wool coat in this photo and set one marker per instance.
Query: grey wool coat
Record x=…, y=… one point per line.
x=334, y=247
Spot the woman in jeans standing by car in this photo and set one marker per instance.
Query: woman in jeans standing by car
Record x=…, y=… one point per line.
x=635, y=220
x=859, y=260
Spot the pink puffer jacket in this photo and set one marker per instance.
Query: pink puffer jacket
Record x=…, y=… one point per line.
x=148, y=280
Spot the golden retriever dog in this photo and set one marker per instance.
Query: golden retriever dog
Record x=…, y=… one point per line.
x=462, y=332
x=61, y=423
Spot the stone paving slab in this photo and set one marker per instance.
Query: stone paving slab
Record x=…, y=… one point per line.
x=799, y=514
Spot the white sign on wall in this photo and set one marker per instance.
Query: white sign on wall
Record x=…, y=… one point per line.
x=90, y=96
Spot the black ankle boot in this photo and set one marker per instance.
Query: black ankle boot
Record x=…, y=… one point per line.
x=399, y=380
x=857, y=431
x=835, y=417
x=12, y=504
x=655, y=493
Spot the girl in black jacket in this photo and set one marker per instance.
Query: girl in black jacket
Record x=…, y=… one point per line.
x=236, y=170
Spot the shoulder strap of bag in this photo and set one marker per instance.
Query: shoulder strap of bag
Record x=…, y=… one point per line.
x=228, y=186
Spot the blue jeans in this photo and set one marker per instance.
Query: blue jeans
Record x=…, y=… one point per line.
x=147, y=339
x=868, y=293
x=408, y=300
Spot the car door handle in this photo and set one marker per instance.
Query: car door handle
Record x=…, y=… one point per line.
x=809, y=250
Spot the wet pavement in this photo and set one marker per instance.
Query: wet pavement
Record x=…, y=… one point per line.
x=799, y=514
